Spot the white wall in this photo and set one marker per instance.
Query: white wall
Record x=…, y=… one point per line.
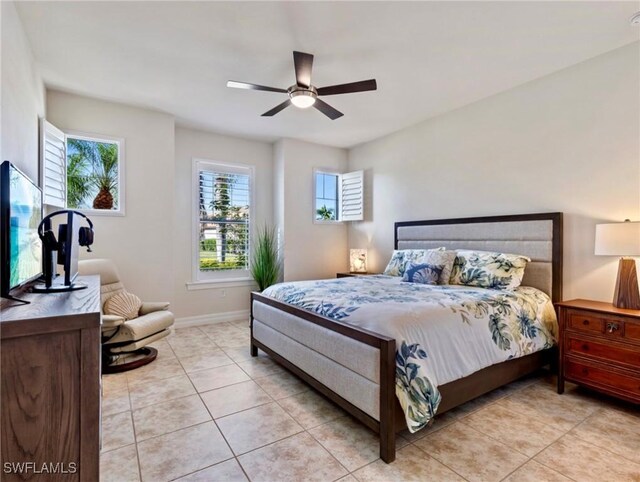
x=205, y=145
x=311, y=251
x=278, y=198
x=23, y=95
x=567, y=142
x=141, y=242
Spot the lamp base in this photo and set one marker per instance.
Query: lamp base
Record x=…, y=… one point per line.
x=626, y=294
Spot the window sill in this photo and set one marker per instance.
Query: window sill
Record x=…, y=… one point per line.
x=101, y=212
x=220, y=283
x=328, y=223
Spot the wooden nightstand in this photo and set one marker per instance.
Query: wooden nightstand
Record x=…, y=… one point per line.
x=350, y=275
x=600, y=348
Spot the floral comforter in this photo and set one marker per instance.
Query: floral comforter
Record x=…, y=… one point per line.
x=442, y=332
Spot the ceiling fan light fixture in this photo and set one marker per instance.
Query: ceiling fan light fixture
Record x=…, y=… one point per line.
x=303, y=94
x=303, y=99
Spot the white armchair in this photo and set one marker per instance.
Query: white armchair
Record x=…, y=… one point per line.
x=124, y=342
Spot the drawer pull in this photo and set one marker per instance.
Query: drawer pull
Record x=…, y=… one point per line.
x=585, y=371
x=585, y=322
x=585, y=347
x=612, y=327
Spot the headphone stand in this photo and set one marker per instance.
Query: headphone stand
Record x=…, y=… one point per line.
x=62, y=251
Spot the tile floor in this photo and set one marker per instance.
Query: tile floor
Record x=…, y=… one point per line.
x=206, y=411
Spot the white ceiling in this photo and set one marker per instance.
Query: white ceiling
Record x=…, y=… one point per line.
x=428, y=57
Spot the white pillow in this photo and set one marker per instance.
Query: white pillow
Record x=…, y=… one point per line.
x=402, y=257
x=488, y=269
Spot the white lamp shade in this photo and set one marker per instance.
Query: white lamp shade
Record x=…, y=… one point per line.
x=358, y=260
x=618, y=239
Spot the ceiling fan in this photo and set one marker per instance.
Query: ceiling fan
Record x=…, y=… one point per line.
x=302, y=94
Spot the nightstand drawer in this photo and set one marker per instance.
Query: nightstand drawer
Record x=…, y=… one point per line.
x=586, y=322
x=632, y=331
x=603, y=376
x=603, y=351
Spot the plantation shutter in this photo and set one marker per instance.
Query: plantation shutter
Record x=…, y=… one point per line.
x=352, y=196
x=53, y=165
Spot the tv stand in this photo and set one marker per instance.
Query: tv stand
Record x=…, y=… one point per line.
x=50, y=384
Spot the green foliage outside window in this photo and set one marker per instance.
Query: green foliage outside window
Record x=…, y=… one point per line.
x=227, y=220
x=325, y=214
x=92, y=174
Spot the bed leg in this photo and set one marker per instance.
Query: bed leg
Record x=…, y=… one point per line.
x=254, y=349
x=387, y=401
x=387, y=444
x=554, y=363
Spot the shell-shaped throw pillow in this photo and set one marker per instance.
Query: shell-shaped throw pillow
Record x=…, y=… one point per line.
x=423, y=273
x=126, y=305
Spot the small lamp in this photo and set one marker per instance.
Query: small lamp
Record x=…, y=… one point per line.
x=622, y=239
x=358, y=260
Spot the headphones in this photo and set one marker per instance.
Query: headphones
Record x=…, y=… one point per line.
x=85, y=234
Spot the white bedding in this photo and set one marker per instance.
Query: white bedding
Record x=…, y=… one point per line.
x=443, y=333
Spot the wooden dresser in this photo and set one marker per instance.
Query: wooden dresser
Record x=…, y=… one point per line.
x=50, y=372
x=600, y=348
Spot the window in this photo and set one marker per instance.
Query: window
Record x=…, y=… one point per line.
x=82, y=172
x=326, y=196
x=93, y=173
x=338, y=197
x=222, y=228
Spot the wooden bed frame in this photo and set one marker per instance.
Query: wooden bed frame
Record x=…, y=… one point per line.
x=453, y=393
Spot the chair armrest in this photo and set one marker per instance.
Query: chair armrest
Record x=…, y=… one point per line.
x=151, y=306
x=111, y=321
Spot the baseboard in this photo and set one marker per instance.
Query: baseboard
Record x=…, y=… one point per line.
x=211, y=319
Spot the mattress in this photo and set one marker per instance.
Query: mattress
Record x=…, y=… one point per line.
x=443, y=332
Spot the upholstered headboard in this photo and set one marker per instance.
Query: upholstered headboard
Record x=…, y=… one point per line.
x=538, y=236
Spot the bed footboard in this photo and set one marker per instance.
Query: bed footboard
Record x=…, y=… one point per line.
x=335, y=359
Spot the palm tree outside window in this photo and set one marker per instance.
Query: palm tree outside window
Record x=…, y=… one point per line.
x=326, y=196
x=94, y=174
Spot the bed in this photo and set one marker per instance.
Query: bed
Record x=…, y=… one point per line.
x=346, y=350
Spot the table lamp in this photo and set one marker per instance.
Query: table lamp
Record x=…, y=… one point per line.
x=622, y=239
x=358, y=260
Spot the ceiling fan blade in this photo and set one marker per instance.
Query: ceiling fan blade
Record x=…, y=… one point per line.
x=303, y=64
x=277, y=108
x=244, y=85
x=327, y=110
x=362, y=86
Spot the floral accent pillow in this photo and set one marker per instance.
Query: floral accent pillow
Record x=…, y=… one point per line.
x=442, y=258
x=426, y=274
x=401, y=257
x=486, y=269
x=395, y=266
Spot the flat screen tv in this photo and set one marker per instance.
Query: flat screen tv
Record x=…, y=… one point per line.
x=20, y=215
